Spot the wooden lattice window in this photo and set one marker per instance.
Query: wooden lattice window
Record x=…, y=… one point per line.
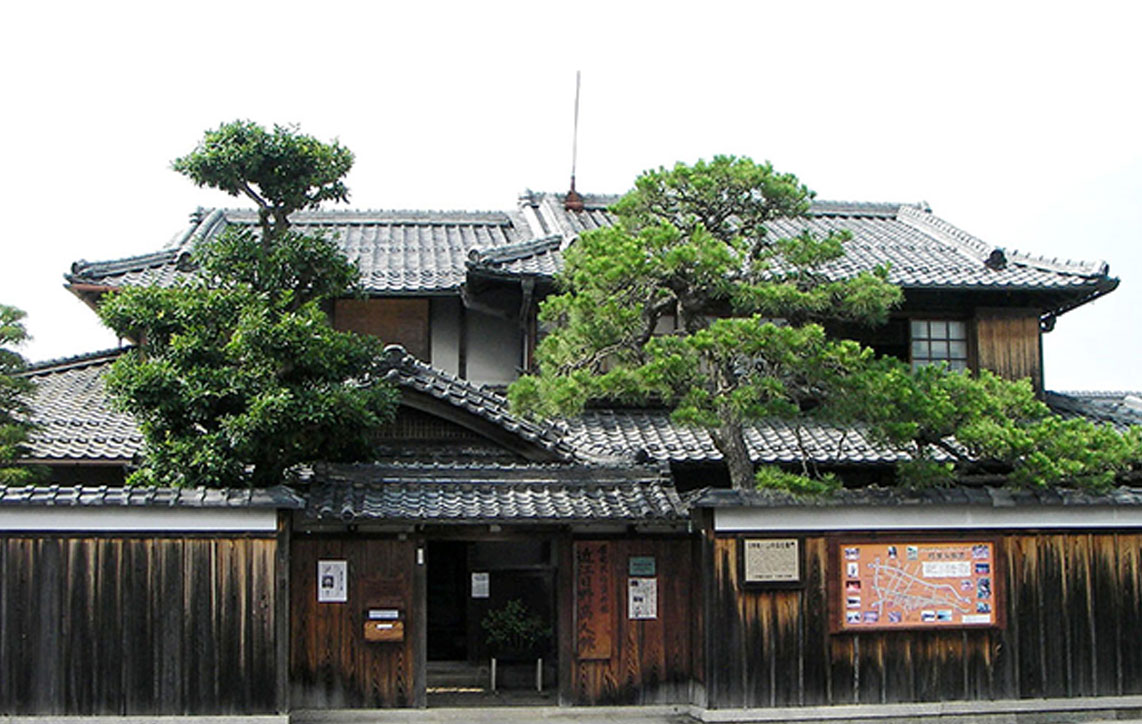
x=940, y=340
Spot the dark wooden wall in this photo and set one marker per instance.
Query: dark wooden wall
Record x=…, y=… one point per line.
x=1073, y=610
x=331, y=665
x=652, y=661
x=394, y=321
x=137, y=625
x=1007, y=343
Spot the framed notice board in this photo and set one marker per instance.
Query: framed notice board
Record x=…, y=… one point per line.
x=914, y=583
x=770, y=562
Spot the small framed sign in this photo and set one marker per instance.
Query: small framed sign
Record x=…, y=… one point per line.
x=332, y=581
x=771, y=561
x=481, y=584
x=641, y=566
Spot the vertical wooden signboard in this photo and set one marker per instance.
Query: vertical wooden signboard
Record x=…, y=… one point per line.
x=594, y=600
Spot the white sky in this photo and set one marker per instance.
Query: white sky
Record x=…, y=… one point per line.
x=1018, y=123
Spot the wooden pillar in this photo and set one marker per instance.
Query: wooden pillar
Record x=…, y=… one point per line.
x=420, y=622
x=565, y=617
x=282, y=613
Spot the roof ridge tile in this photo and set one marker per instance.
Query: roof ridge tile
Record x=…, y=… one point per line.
x=463, y=216
x=516, y=251
x=79, y=361
x=83, y=268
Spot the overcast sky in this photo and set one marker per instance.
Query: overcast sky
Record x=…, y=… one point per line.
x=1018, y=123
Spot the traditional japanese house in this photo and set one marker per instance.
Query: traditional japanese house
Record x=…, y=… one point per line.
x=365, y=586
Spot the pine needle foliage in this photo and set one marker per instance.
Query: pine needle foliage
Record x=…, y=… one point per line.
x=238, y=375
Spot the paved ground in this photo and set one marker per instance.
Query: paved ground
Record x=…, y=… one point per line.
x=1024, y=712
x=504, y=715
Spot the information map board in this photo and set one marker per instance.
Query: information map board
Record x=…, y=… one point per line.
x=915, y=585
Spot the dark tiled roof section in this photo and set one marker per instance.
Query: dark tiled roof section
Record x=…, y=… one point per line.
x=162, y=268
x=558, y=220
x=77, y=421
x=409, y=372
x=923, y=251
x=398, y=252
x=773, y=441
x=1120, y=409
x=878, y=496
x=422, y=252
x=508, y=493
x=540, y=257
x=75, y=418
x=67, y=496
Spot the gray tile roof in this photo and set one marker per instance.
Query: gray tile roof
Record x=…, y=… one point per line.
x=398, y=252
x=104, y=496
x=878, y=496
x=428, y=252
x=1120, y=409
x=773, y=441
x=500, y=493
x=410, y=373
x=540, y=258
x=554, y=219
x=77, y=421
x=75, y=418
x=923, y=251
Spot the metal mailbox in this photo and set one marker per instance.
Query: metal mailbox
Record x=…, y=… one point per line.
x=384, y=624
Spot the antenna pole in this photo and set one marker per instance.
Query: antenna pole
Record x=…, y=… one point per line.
x=573, y=201
x=575, y=133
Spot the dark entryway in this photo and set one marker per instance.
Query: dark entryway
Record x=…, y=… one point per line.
x=466, y=580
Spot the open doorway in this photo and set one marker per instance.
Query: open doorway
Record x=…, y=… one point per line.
x=466, y=580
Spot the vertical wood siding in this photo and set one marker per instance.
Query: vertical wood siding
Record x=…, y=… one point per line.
x=1073, y=607
x=137, y=626
x=331, y=665
x=1007, y=343
x=650, y=660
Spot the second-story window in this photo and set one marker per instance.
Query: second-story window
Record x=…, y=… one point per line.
x=939, y=340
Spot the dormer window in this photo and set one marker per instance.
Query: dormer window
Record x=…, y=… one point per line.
x=939, y=340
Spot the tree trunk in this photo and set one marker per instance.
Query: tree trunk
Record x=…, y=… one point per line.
x=730, y=441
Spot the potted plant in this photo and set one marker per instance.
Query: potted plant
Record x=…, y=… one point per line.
x=513, y=633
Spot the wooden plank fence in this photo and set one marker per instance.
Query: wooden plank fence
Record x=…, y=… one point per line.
x=1073, y=606
x=137, y=625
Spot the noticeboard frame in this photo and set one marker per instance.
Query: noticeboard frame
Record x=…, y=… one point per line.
x=798, y=584
x=834, y=583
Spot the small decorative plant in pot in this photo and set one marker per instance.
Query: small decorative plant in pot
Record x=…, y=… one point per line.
x=513, y=633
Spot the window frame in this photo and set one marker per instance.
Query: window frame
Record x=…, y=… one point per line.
x=955, y=362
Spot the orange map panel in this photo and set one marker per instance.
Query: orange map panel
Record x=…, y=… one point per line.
x=916, y=585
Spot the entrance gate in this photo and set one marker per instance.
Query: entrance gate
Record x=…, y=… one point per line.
x=467, y=579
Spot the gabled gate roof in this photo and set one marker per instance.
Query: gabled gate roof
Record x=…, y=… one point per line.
x=492, y=493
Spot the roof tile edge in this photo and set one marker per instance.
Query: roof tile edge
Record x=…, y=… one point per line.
x=928, y=222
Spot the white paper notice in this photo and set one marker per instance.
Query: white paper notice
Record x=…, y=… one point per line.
x=481, y=585
x=642, y=599
x=946, y=569
x=332, y=581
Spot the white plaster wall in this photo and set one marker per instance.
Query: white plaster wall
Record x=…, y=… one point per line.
x=494, y=349
x=137, y=518
x=933, y=517
x=444, y=326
